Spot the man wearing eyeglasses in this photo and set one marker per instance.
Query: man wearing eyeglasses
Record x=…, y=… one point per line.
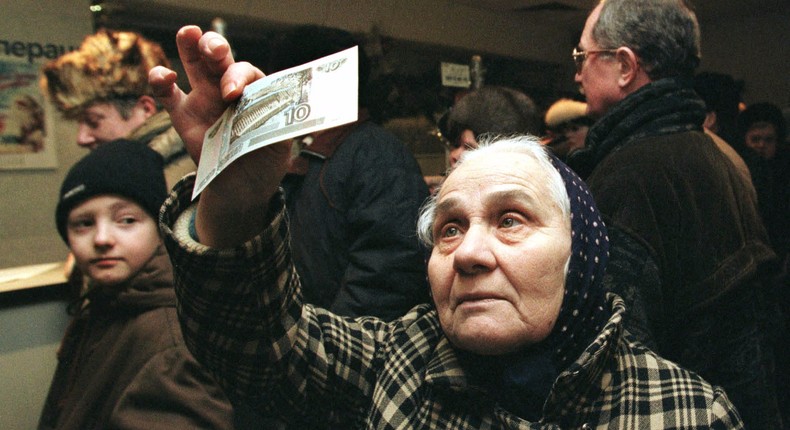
x=657, y=177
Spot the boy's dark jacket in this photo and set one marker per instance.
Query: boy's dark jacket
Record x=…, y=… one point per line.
x=123, y=364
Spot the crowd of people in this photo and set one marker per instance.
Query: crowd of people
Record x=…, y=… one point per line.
x=619, y=260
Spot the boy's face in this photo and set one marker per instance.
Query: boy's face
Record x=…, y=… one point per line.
x=111, y=238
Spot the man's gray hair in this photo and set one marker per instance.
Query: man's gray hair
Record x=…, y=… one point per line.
x=663, y=33
x=502, y=146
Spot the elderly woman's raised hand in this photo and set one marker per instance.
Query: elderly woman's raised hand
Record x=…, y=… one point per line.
x=215, y=78
x=230, y=207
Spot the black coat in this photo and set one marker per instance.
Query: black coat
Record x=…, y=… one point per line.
x=353, y=200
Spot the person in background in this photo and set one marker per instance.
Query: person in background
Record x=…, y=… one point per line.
x=762, y=134
x=491, y=110
x=661, y=180
x=762, y=129
x=722, y=97
x=122, y=362
x=566, y=124
x=104, y=87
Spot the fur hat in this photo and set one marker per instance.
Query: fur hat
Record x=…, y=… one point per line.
x=564, y=111
x=125, y=168
x=109, y=65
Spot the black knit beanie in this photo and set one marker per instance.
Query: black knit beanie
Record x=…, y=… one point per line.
x=125, y=168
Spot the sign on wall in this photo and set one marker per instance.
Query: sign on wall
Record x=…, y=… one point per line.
x=25, y=117
x=455, y=75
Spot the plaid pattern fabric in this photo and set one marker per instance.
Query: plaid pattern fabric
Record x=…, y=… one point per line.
x=242, y=318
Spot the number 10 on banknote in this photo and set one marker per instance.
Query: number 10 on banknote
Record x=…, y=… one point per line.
x=294, y=102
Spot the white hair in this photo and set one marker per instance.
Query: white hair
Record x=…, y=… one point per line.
x=501, y=145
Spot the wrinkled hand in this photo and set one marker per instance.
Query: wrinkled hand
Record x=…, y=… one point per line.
x=215, y=78
x=231, y=208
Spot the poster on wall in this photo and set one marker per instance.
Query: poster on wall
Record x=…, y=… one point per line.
x=24, y=118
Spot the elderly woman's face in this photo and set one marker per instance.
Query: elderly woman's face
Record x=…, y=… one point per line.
x=501, y=244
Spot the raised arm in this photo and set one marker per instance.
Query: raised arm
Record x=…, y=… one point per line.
x=231, y=208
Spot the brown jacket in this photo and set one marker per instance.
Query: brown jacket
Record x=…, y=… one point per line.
x=695, y=210
x=123, y=364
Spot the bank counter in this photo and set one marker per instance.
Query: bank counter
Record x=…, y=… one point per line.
x=33, y=318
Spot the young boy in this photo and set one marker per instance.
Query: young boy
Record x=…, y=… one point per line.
x=123, y=362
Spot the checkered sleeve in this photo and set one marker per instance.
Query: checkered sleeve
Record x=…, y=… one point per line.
x=633, y=388
x=242, y=317
x=664, y=395
x=724, y=415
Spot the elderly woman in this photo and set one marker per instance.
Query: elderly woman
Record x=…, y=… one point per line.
x=520, y=334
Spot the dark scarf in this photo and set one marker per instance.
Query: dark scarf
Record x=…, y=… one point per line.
x=661, y=107
x=521, y=381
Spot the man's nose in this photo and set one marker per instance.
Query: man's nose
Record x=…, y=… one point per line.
x=84, y=136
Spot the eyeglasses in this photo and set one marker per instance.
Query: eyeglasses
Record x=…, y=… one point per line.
x=579, y=56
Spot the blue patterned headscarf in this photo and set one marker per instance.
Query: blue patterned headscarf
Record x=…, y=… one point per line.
x=584, y=311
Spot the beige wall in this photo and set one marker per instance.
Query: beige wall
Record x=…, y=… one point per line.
x=32, y=330
x=28, y=197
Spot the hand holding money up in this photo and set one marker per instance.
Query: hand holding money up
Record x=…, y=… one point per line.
x=231, y=208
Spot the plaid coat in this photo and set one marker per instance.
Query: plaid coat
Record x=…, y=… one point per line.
x=243, y=318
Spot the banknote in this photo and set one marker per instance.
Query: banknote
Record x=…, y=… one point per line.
x=315, y=96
